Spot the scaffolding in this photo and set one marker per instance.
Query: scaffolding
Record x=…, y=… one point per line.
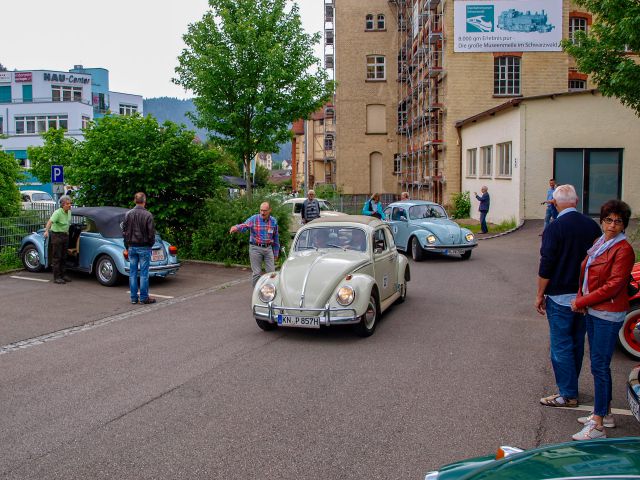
x=329, y=120
x=419, y=163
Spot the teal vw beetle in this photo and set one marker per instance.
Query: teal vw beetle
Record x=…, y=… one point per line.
x=609, y=458
x=420, y=226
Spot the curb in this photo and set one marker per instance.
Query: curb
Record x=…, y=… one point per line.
x=502, y=234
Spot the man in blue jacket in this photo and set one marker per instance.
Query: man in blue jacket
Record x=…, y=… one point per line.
x=565, y=242
x=485, y=201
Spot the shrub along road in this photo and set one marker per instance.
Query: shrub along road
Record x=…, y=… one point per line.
x=191, y=388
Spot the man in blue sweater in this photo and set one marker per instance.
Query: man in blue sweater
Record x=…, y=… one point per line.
x=564, y=245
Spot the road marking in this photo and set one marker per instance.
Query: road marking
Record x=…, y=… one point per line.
x=27, y=278
x=137, y=310
x=589, y=408
x=155, y=295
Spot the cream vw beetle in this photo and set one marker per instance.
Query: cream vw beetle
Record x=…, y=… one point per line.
x=342, y=270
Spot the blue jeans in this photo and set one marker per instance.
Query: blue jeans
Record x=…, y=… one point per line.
x=603, y=335
x=551, y=212
x=141, y=256
x=483, y=221
x=566, y=330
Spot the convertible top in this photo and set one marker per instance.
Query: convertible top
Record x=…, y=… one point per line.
x=108, y=220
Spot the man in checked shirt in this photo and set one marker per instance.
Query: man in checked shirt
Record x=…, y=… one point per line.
x=264, y=243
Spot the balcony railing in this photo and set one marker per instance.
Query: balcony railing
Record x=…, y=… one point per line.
x=20, y=101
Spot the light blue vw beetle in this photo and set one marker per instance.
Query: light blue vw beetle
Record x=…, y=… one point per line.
x=419, y=226
x=96, y=246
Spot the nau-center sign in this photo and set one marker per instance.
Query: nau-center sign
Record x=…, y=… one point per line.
x=508, y=26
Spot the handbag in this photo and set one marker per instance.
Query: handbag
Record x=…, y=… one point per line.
x=632, y=287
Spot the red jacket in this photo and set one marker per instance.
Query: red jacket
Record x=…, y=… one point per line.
x=608, y=279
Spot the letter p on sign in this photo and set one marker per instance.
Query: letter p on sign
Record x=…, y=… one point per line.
x=57, y=174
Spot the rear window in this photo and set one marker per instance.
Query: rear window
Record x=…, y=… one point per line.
x=41, y=197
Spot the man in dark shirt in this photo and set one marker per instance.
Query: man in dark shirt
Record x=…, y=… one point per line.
x=483, y=208
x=139, y=236
x=310, y=207
x=564, y=245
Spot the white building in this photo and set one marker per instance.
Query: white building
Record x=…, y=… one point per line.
x=581, y=138
x=265, y=160
x=34, y=101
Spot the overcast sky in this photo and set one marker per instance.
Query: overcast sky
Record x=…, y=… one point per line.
x=138, y=41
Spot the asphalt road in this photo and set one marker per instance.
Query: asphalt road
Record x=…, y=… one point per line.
x=191, y=388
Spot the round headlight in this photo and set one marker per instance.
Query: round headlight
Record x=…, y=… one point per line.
x=431, y=239
x=267, y=292
x=345, y=295
x=469, y=237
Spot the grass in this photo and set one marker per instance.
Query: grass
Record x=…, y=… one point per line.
x=474, y=225
x=9, y=259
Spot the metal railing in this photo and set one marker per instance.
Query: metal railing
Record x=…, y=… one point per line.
x=13, y=229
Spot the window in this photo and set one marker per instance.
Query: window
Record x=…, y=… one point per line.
x=1, y=126
x=27, y=93
x=376, y=119
x=368, y=24
x=577, y=85
x=376, y=67
x=472, y=162
x=62, y=93
x=576, y=24
x=397, y=164
x=85, y=121
x=328, y=142
x=380, y=24
x=379, y=241
x=128, y=109
x=506, y=76
x=39, y=123
x=487, y=161
x=503, y=151
x=5, y=94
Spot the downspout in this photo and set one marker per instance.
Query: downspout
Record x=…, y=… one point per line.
x=294, y=165
x=523, y=163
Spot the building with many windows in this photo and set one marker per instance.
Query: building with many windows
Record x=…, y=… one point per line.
x=408, y=70
x=34, y=101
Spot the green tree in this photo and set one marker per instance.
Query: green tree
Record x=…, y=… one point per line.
x=10, y=174
x=249, y=64
x=261, y=177
x=122, y=155
x=57, y=150
x=604, y=50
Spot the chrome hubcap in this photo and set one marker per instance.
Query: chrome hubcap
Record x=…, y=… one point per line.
x=32, y=258
x=106, y=270
x=370, y=314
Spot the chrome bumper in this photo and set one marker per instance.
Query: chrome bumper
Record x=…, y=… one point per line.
x=328, y=315
x=439, y=248
x=160, y=268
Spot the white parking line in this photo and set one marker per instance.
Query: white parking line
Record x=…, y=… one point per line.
x=156, y=295
x=27, y=278
x=589, y=408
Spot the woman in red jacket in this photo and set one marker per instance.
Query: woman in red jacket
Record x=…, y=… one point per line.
x=603, y=298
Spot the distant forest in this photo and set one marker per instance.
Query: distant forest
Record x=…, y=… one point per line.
x=175, y=110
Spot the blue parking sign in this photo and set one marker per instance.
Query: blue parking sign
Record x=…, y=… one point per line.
x=57, y=174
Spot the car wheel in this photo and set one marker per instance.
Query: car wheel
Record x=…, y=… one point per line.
x=625, y=334
x=417, y=253
x=369, y=320
x=31, y=259
x=266, y=326
x=466, y=255
x=106, y=271
x=403, y=292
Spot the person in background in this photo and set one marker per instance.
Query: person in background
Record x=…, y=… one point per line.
x=373, y=207
x=564, y=244
x=551, y=212
x=485, y=201
x=310, y=207
x=59, y=224
x=264, y=242
x=404, y=196
x=603, y=298
x=139, y=235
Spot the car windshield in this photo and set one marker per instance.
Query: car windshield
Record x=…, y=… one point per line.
x=325, y=206
x=41, y=197
x=345, y=238
x=426, y=211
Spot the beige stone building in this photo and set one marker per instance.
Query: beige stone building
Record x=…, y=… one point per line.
x=516, y=147
x=408, y=70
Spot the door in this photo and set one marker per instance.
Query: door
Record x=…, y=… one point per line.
x=398, y=221
x=385, y=258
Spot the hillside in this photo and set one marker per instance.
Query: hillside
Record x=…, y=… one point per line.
x=175, y=110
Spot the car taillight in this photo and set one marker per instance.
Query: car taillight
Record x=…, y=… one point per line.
x=173, y=250
x=125, y=253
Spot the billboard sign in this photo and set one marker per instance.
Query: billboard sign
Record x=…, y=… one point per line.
x=508, y=26
x=23, y=76
x=5, y=77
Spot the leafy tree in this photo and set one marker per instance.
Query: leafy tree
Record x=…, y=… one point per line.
x=261, y=177
x=10, y=174
x=122, y=155
x=248, y=63
x=604, y=51
x=3, y=68
x=57, y=150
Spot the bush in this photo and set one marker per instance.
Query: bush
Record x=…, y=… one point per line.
x=10, y=173
x=9, y=259
x=212, y=241
x=461, y=205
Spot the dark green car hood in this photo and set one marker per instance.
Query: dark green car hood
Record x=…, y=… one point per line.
x=607, y=457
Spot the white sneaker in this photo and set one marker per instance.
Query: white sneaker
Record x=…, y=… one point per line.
x=589, y=432
x=608, y=420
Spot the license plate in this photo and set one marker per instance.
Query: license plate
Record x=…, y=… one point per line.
x=295, y=321
x=453, y=252
x=157, y=255
x=633, y=404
